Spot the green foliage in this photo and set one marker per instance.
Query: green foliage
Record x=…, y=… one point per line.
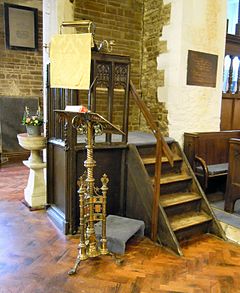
x=35, y=119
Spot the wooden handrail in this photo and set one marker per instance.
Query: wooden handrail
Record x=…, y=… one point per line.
x=161, y=146
x=153, y=126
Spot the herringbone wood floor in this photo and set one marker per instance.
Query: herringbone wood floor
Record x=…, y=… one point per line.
x=35, y=256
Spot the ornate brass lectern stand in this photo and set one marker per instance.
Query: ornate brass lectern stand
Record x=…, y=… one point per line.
x=92, y=200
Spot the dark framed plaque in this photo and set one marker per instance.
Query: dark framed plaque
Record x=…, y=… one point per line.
x=202, y=69
x=21, y=27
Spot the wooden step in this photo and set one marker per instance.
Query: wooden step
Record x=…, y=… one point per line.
x=168, y=200
x=174, y=178
x=189, y=219
x=151, y=159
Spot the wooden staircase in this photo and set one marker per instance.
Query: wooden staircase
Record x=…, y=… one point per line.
x=163, y=191
x=184, y=212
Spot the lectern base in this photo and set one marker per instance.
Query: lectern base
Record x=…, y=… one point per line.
x=41, y=207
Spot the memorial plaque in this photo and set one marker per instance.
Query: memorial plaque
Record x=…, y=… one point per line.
x=202, y=69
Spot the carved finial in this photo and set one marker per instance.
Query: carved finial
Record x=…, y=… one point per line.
x=82, y=180
x=104, y=180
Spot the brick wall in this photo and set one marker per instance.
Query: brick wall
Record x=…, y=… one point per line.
x=121, y=21
x=135, y=25
x=20, y=70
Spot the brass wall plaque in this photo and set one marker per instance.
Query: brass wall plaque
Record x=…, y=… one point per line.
x=202, y=69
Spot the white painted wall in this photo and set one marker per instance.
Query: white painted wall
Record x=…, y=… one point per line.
x=54, y=13
x=198, y=26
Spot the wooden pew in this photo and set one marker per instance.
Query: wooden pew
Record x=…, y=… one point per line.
x=233, y=179
x=208, y=154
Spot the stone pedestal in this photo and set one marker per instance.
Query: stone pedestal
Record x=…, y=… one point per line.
x=35, y=192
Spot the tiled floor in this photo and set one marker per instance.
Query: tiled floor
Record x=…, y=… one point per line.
x=229, y=222
x=35, y=257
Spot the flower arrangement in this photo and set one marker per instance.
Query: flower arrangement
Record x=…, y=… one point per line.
x=32, y=119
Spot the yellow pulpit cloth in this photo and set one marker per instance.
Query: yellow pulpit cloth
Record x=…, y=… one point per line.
x=70, y=57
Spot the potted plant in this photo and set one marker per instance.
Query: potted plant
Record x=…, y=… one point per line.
x=33, y=121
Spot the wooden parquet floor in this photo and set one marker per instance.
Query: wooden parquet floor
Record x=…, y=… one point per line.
x=35, y=257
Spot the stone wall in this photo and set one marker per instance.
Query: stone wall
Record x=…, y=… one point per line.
x=156, y=15
x=20, y=70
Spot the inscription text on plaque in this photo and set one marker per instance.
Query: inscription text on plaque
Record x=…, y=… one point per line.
x=202, y=69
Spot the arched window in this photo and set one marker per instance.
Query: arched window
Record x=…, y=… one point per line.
x=235, y=74
x=232, y=15
x=227, y=62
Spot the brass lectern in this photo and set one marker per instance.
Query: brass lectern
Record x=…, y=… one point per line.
x=92, y=200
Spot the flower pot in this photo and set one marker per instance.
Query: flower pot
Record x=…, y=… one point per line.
x=33, y=130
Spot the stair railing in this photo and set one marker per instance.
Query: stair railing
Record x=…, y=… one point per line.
x=161, y=147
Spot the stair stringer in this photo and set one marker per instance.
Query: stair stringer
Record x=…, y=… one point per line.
x=214, y=228
x=139, y=200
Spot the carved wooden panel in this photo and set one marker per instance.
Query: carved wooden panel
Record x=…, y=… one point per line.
x=103, y=74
